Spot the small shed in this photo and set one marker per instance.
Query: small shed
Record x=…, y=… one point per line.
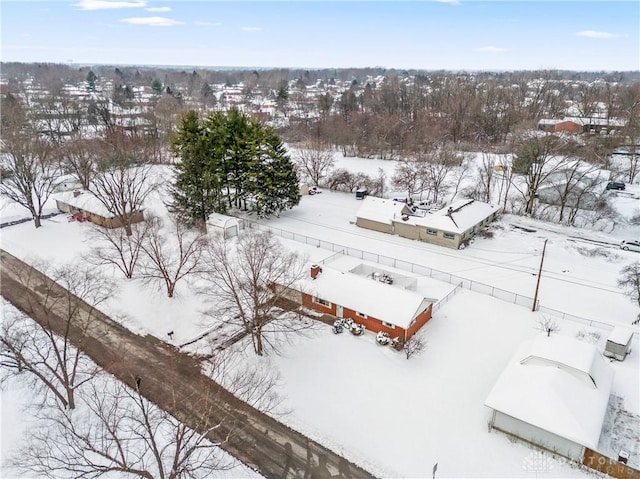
x=303, y=189
x=227, y=226
x=618, y=343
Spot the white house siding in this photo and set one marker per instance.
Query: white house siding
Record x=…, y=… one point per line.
x=545, y=439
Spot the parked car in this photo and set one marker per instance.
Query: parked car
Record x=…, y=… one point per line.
x=361, y=193
x=616, y=185
x=314, y=190
x=630, y=245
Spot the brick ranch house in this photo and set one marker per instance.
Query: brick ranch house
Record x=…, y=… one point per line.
x=376, y=305
x=83, y=206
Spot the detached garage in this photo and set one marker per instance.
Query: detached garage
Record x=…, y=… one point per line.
x=227, y=226
x=554, y=394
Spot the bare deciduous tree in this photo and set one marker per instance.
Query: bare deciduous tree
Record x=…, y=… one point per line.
x=537, y=158
x=254, y=383
x=117, y=249
x=486, y=173
x=547, y=324
x=439, y=166
x=29, y=172
x=414, y=345
x=33, y=347
x=118, y=431
x=122, y=188
x=168, y=260
x=247, y=280
x=410, y=175
x=629, y=281
x=314, y=161
x=80, y=156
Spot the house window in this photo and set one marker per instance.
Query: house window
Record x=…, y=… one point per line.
x=388, y=325
x=361, y=315
x=449, y=235
x=322, y=302
x=432, y=232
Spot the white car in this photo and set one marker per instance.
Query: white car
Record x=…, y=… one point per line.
x=630, y=245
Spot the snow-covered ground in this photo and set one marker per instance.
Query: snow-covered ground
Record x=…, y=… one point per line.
x=17, y=418
x=394, y=416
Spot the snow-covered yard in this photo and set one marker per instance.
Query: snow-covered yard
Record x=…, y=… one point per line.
x=395, y=416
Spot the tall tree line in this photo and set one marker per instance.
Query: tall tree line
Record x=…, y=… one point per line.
x=228, y=160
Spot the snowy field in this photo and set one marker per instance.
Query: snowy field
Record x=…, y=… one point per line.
x=394, y=416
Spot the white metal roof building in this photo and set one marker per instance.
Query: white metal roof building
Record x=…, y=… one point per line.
x=553, y=393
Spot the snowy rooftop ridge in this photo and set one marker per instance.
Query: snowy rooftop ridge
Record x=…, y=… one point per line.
x=458, y=217
x=382, y=210
x=83, y=200
x=558, y=384
x=365, y=295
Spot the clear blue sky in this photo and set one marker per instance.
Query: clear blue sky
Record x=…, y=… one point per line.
x=460, y=35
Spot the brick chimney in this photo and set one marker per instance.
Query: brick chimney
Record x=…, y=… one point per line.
x=315, y=270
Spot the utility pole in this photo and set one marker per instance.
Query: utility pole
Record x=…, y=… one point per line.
x=535, y=296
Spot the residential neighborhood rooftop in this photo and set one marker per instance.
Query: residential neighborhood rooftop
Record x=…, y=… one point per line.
x=558, y=384
x=458, y=217
x=383, y=301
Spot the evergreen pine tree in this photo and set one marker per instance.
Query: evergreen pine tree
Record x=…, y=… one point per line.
x=91, y=81
x=196, y=192
x=230, y=160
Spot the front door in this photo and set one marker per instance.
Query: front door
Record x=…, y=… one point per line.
x=338, y=310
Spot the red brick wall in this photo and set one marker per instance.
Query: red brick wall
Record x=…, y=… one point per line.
x=421, y=320
x=307, y=301
x=372, y=324
x=569, y=126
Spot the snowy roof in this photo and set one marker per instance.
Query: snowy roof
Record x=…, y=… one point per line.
x=382, y=210
x=582, y=121
x=84, y=201
x=365, y=295
x=218, y=220
x=620, y=335
x=558, y=384
x=464, y=215
x=595, y=121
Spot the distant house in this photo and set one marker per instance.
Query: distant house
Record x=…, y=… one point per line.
x=227, y=226
x=83, y=206
x=370, y=300
x=553, y=393
x=580, y=125
x=449, y=226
